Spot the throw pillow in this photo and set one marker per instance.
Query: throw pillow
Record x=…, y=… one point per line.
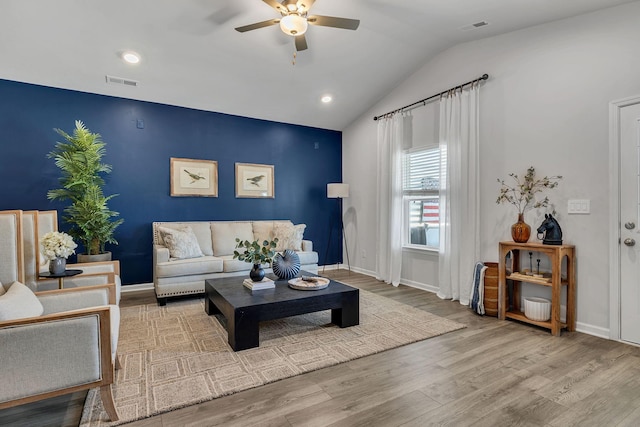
x=2, y=290
x=19, y=302
x=289, y=236
x=182, y=243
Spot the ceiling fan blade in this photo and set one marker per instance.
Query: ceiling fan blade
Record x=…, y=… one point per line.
x=258, y=25
x=305, y=5
x=301, y=43
x=277, y=6
x=332, y=21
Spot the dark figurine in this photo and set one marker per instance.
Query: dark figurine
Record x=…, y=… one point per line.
x=550, y=230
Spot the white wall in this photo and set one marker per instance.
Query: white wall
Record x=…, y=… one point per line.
x=545, y=105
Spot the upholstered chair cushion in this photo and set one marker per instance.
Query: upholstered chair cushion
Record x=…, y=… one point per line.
x=181, y=243
x=2, y=291
x=19, y=302
x=224, y=234
x=289, y=236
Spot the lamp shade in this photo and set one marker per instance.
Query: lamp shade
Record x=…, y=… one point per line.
x=337, y=191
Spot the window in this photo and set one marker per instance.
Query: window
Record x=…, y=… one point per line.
x=420, y=185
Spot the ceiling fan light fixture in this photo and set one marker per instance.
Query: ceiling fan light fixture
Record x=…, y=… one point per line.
x=293, y=25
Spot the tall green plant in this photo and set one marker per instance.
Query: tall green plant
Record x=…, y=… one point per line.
x=79, y=158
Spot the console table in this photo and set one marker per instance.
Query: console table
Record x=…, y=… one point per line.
x=555, y=253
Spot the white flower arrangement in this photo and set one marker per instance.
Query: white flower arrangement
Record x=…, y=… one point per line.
x=56, y=244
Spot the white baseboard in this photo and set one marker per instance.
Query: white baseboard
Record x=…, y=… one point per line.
x=596, y=331
x=137, y=287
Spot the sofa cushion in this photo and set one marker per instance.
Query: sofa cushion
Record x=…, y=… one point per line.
x=289, y=236
x=182, y=243
x=19, y=302
x=231, y=265
x=224, y=234
x=189, y=267
x=263, y=230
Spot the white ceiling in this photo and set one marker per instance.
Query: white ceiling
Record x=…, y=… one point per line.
x=193, y=57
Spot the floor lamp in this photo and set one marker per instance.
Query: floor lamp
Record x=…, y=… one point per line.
x=337, y=191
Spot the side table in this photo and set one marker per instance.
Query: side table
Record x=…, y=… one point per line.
x=60, y=277
x=555, y=253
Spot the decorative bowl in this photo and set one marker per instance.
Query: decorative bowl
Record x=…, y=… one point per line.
x=538, y=309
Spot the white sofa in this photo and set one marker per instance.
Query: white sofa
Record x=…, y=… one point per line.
x=181, y=268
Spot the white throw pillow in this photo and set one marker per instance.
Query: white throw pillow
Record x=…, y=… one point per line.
x=2, y=290
x=181, y=243
x=19, y=302
x=289, y=236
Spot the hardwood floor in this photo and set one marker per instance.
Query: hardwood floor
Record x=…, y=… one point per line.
x=493, y=373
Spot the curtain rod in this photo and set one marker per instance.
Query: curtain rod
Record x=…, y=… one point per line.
x=423, y=101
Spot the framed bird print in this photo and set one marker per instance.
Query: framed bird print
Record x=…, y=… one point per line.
x=254, y=180
x=194, y=178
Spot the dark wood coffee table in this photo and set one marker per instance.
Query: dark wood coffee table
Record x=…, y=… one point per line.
x=244, y=309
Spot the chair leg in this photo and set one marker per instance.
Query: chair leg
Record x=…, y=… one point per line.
x=107, y=401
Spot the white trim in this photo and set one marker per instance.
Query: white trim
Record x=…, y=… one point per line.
x=430, y=250
x=423, y=286
x=135, y=288
x=614, y=213
x=596, y=331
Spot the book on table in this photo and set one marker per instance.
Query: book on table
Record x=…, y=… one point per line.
x=265, y=283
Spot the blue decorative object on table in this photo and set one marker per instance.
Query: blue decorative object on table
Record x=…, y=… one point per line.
x=286, y=265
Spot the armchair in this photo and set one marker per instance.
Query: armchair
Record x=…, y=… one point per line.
x=36, y=224
x=71, y=346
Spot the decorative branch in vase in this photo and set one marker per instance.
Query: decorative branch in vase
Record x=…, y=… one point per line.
x=522, y=194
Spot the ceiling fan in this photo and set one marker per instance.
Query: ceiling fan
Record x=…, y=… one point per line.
x=295, y=20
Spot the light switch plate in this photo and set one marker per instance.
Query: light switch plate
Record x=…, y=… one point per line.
x=579, y=206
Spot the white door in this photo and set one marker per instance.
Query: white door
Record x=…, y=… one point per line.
x=630, y=223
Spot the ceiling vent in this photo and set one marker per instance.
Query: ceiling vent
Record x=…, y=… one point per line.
x=121, y=81
x=474, y=26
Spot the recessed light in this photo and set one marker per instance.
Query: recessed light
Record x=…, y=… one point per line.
x=326, y=99
x=131, y=57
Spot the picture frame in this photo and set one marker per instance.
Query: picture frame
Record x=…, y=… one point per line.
x=254, y=180
x=194, y=178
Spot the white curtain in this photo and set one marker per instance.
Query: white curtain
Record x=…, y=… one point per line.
x=389, y=199
x=459, y=193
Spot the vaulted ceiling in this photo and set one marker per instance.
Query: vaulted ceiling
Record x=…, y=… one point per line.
x=193, y=57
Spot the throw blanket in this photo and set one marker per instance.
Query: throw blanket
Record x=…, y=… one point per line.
x=477, y=289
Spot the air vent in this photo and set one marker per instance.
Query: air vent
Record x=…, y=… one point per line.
x=474, y=26
x=121, y=81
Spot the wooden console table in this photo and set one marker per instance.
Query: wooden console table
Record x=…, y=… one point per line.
x=555, y=255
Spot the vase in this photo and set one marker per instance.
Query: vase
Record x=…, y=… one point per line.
x=256, y=273
x=286, y=265
x=57, y=265
x=520, y=231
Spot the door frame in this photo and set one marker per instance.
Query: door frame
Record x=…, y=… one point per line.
x=614, y=213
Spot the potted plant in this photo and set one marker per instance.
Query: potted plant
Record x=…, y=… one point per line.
x=522, y=195
x=256, y=254
x=79, y=157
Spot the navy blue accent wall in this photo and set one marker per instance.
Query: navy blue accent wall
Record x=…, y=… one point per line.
x=305, y=160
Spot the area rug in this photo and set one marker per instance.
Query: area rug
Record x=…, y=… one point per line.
x=175, y=356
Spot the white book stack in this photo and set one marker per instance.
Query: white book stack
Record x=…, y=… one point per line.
x=265, y=283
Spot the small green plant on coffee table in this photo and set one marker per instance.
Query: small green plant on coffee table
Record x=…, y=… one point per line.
x=255, y=253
